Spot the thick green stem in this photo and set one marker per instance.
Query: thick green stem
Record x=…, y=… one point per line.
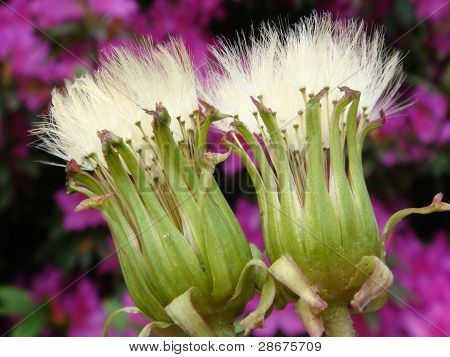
x=337, y=321
x=223, y=328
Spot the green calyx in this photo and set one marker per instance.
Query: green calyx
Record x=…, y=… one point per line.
x=318, y=222
x=324, y=220
x=189, y=272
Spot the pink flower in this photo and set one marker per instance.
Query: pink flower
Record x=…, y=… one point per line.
x=423, y=273
x=434, y=10
x=187, y=19
x=118, y=9
x=415, y=134
x=110, y=263
x=428, y=116
x=247, y=213
x=84, y=310
x=280, y=321
x=233, y=164
x=48, y=13
x=78, y=306
x=136, y=319
x=76, y=221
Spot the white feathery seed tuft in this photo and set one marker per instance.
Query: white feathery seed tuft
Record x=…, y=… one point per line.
x=113, y=98
x=317, y=52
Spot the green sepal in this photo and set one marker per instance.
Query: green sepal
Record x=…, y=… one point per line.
x=256, y=317
x=351, y=231
x=181, y=253
x=113, y=315
x=290, y=233
x=374, y=279
x=267, y=191
x=436, y=206
x=367, y=128
x=287, y=272
x=183, y=312
x=149, y=328
x=357, y=182
x=246, y=285
x=134, y=268
x=310, y=318
x=321, y=236
x=169, y=149
x=165, y=278
x=211, y=115
x=375, y=305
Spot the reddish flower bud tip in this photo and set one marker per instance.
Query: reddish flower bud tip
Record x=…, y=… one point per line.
x=103, y=135
x=321, y=94
x=382, y=117
x=260, y=106
x=349, y=92
x=72, y=167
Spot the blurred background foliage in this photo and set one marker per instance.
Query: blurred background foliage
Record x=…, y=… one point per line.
x=59, y=266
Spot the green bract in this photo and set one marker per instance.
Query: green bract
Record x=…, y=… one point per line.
x=184, y=257
x=318, y=223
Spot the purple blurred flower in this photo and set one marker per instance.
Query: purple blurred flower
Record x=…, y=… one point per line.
x=424, y=273
x=428, y=116
x=136, y=319
x=118, y=9
x=78, y=307
x=247, y=213
x=110, y=263
x=46, y=284
x=280, y=321
x=433, y=10
x=19, y=44
x=233, y=164
x=48, y=13
x=421, y=127
x=84, y=310
x=187, y=19
x=76, y=221
x=342, y=8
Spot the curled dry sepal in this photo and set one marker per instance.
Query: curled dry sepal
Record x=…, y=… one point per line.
x=304, y=102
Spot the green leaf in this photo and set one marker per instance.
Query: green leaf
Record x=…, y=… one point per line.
x=120, y=322
x=32, y=326
x=15, y=301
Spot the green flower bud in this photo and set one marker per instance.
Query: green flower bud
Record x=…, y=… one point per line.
x=189, y=271
x=184, y=257
x=319, y=226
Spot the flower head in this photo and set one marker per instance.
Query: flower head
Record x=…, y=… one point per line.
x=152, y=180
x=316, y=53
x=113, y=99
x=316, y=91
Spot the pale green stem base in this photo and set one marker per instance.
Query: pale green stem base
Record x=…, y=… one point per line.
x=337, y=321
x=223, y=328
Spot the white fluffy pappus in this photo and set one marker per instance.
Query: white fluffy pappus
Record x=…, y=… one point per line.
x=113, y=98
x=317, y=52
